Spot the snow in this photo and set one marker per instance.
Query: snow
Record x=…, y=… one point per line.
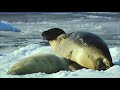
x=6, y=61
x=6, y=26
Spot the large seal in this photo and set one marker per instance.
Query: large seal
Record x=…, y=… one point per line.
x=86, y=49
x=47, y=63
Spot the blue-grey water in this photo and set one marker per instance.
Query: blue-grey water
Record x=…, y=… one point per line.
x=31, y=24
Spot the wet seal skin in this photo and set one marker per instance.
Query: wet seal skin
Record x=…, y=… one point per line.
x=85, y=49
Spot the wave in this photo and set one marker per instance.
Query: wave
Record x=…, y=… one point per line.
x=99, y=17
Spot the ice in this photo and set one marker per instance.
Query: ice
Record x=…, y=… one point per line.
x=6, y=26
x=8, y=60
x=115, y=53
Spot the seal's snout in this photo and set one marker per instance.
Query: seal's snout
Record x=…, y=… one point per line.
x=42, y=34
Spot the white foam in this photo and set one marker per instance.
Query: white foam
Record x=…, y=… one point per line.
x=98, y=17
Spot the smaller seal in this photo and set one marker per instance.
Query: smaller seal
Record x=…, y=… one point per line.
x=46, y=63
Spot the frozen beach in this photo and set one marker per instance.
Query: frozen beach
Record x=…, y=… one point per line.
x=16, y=45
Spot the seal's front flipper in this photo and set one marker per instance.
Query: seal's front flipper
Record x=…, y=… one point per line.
x=74, y=66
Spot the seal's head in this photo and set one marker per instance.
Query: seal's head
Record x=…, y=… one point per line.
x=52, y=33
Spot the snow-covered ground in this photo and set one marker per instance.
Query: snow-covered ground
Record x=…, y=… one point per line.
x=17, y=45
x=8, y=60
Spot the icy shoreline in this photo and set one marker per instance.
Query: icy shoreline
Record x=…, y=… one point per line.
x=8, y=60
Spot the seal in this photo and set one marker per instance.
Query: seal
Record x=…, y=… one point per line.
x=86, y=49
x=46, y=63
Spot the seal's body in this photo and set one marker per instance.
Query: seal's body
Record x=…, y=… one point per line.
x=47, y=63
x=86, y=49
